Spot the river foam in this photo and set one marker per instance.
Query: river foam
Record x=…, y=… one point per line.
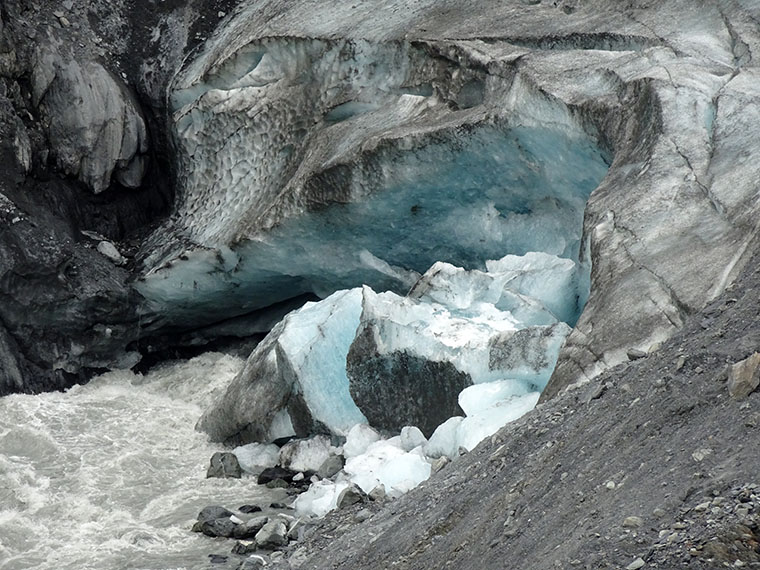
x=111, y=475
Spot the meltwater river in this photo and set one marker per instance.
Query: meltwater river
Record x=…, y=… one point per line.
x=111, y=475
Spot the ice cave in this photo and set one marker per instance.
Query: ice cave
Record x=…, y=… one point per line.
x=449, y=261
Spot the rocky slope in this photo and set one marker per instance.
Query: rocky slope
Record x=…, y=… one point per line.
x=653, y=460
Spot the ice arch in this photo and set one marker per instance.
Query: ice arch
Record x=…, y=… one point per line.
x=314, y=166
x=309, y=166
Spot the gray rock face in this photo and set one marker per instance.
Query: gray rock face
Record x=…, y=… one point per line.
x=71, y=125
x=95, y=127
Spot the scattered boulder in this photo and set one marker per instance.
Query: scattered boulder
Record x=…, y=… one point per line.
x=744, y=377
x=252, y=562
x=250, y=528
x=243, y=547
x=331, y=466
x=272, y=473
x=635, y=354
x=247, y=509
x=378, y=493
x=273, y=534
x=440, y=463
x=216, y=528
x=224, y=465
x=214, y=512
x=350, y=496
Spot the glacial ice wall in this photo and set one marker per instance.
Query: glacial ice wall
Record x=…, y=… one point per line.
x=309, y=166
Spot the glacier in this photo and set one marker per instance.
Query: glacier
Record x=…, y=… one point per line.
x=311, y=166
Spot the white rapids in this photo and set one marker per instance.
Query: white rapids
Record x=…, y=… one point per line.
x=111, y=475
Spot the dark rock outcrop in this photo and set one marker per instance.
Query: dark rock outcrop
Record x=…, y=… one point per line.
x=81, y=112
x=400, y=389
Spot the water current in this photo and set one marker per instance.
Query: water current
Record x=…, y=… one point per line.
x=111, y=475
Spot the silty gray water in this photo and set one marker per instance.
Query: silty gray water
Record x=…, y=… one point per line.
x=111, y=475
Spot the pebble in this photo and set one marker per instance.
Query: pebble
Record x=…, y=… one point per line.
x=636, y=564
x=610, y=485
x=378, y=493
x=632, y=522
x=272, y=534
x=635, y=354
x=350, y=496
x=109, y=250
x=223, y=464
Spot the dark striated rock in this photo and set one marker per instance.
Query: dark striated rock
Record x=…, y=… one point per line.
x=274, y=473
x=525, y=350
x=249, y=528
x=214, y=512
x=398, y=389
x=223, y=527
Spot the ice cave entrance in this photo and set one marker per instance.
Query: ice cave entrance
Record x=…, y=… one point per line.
x=462, y=195
x=450, y=275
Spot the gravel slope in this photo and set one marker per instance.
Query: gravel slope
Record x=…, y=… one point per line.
x=653, y=460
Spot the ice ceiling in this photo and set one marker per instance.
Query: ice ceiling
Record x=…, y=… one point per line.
x=310, y=166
